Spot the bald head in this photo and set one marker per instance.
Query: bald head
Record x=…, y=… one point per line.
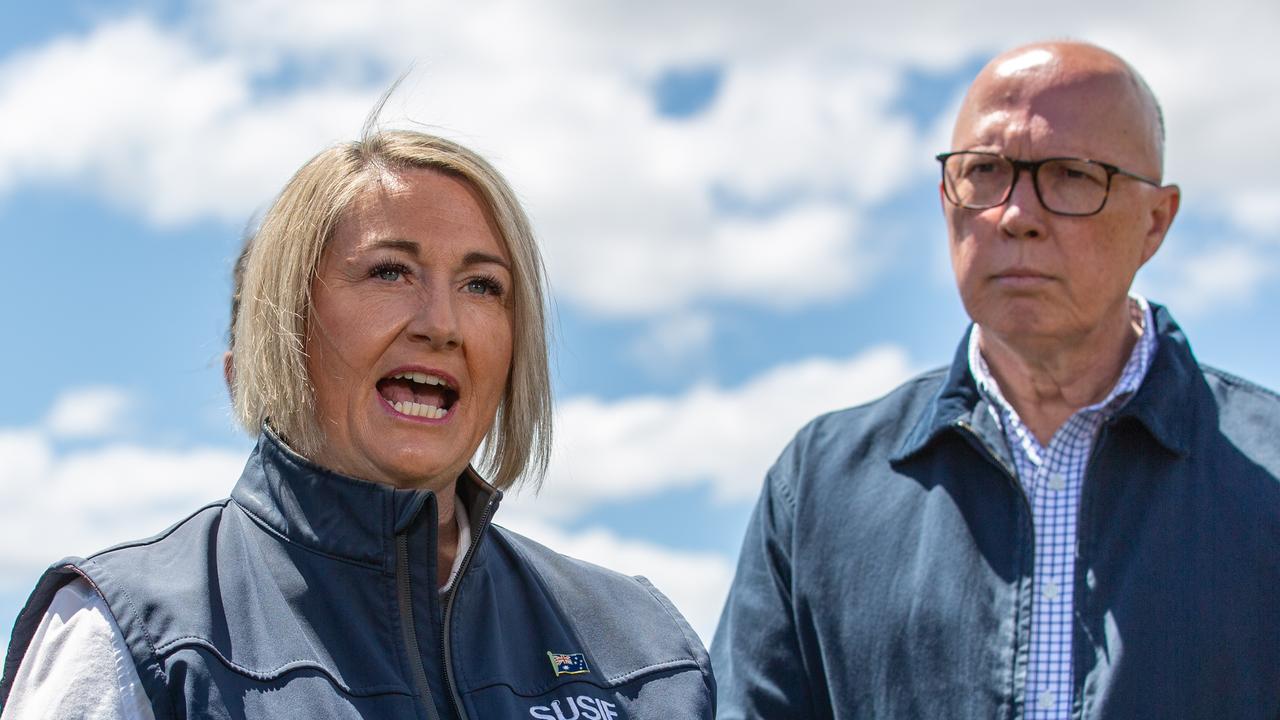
x=1055, y=88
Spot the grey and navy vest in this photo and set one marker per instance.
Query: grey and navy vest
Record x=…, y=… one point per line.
x=307, y=594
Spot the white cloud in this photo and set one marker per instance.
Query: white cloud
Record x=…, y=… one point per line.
x=725, y=436
x=695, y=582
x=669, y=344
x=805, y=255
x=53, y=505
x=1198, y=282
x=89, y=412
x=141, y=115
x=1258, y=212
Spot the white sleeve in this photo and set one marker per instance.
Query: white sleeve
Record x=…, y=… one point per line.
x=77, y=665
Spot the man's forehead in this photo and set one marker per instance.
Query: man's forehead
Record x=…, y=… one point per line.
x=992, y=128
x=1030, y=98
x=1051, y=93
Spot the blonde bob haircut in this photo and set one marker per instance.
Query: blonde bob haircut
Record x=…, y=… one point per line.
x=270, y=383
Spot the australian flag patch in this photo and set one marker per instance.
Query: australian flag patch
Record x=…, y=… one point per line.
x=568, y=663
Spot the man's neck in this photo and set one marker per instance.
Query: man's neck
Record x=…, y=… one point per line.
x=1047, y=381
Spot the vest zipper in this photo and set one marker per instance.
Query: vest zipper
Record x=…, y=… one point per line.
x=405, y=592
x=446, y=655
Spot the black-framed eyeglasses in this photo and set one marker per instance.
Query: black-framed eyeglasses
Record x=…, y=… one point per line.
x=1065, y=186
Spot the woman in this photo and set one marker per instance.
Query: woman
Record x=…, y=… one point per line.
x=389, y=325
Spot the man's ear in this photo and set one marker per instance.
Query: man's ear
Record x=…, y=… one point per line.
x=1162, y=214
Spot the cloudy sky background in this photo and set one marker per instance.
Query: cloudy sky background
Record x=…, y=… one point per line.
x=737, y=202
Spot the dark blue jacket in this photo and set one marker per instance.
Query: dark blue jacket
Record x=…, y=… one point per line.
x=887, y=570
x=312, y=595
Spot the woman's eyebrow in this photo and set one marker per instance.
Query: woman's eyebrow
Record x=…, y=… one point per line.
x=475, y=257
x=408, y=246
x=481, y=258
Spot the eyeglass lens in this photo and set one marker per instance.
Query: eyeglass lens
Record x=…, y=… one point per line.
x=979, y=181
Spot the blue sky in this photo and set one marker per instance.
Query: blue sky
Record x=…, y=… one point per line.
x=738, y=208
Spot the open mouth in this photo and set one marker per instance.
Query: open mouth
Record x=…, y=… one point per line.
x=418, y=394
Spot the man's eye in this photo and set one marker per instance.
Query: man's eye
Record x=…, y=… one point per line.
x=1078, y=173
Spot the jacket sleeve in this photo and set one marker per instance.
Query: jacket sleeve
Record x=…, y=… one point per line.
x=761, y=673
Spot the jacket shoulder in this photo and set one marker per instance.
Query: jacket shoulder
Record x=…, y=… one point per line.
x=825, y=448
x=896, y=411
x=1248, y=416
x=648, y=633
x=1241, y=393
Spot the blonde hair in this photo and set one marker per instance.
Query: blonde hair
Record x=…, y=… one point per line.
x=271, y=383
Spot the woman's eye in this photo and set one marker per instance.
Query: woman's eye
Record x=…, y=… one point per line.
x=391, y=272
x=484, y=286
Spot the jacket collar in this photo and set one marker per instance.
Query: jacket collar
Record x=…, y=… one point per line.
x=341, y=516
x=1166, y=404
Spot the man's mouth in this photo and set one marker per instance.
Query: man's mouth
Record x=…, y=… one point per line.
x=1021, y=275
x=418, y=394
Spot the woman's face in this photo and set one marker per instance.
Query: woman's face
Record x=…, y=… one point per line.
x=409, y=338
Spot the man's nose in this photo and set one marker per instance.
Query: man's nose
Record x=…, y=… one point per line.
x=1023, y=215
x=435, y=318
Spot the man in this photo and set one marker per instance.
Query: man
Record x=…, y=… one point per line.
x=1075, y=519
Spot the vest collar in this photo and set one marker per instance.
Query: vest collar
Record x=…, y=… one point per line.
x=331, y=513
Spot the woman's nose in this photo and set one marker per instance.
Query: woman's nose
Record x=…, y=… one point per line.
x=435, y=319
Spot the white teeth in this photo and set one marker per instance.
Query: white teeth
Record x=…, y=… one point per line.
x=421, y=378
x=410, y=407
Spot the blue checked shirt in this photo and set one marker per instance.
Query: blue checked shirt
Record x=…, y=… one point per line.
x=1052, y=478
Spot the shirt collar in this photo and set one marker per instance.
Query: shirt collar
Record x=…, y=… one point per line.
x=1173, y=403
x=464, y=543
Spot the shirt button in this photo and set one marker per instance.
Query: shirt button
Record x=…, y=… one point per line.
x=1047, y=700
x=1057, y=482
x=1050, y=590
